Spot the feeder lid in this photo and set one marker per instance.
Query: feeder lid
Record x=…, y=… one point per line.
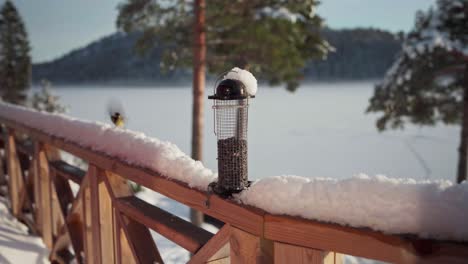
x=230, y=89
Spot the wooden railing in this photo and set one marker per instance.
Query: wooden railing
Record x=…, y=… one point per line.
x=105, y=223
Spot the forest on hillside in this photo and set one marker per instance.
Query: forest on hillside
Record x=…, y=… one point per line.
x=360, y=54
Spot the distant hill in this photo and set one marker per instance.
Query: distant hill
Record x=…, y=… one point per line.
x=360, y=54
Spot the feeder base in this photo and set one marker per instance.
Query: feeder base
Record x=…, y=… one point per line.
x=223, y=192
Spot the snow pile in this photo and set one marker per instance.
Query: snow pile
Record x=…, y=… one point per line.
x=132, y=147
x=431, y=209
x=244, y=77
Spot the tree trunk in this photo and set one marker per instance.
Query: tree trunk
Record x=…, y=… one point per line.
x=199, y=52
x=462, y=158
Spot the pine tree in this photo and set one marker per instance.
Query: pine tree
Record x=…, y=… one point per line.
x=272, y=38
x=45, y=100
x=428, y=83
x=15, y=62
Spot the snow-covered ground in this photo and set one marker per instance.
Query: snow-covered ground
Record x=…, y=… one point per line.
x=16, y=245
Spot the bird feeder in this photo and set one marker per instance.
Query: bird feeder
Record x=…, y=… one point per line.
x=231, y=102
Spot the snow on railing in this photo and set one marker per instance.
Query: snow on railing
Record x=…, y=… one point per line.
x=133, y=147
x=431, y=209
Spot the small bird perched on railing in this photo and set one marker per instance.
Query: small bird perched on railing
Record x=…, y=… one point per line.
x=116, y=113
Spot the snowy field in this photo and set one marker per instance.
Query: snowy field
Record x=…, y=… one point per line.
x=319, y=131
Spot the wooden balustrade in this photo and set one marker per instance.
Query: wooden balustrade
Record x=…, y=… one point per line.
x=105, y=223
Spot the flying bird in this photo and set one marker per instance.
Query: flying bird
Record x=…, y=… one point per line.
x=116, y=113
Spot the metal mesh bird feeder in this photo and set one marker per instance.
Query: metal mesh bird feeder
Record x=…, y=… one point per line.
x=230, y=106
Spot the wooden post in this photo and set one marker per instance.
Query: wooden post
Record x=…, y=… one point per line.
x=43, y=154
x=247, y=248
x=45, y=197
x=286, y=253
x=37, y=188
x=94, y=211
x=106, y=221
x=2, y=172
x=15, y=182
x=88, y=235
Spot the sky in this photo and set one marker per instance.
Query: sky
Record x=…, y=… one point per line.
x=56, y=27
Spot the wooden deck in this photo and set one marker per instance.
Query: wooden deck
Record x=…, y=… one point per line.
x=105, y=223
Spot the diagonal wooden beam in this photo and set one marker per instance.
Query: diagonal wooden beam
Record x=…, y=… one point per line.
x=72, y=230
x=215, y=248
x=76, y=222
x=125, y=251
x=64, y=192
x=138, y=235
x=139, y=240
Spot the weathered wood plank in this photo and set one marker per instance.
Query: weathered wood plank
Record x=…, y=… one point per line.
x=213, y=247
x=170, y=226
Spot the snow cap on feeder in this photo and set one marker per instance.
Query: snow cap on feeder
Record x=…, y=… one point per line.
x=231, y=101
x=236, y=84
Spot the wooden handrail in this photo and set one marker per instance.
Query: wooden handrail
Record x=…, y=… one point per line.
x=170, y=226
x=68, y=171
x=105, y=223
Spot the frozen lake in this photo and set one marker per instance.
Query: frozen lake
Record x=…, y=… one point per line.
x=319, y=131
